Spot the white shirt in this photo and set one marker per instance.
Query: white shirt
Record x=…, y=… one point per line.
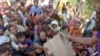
x=5, y=18
x=66, y=16
x=4, y=39
x=46, y=2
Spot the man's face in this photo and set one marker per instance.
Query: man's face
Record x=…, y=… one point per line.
x=66, y=30
x=45, y=14
x=13, y=30
x=54, y=26
x=21, y=39
x=42, y=36
x=16, y=17
x=36, y=4
x=64, y=11
x=8, y=13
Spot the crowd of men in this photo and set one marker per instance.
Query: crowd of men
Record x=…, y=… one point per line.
x=25, y=29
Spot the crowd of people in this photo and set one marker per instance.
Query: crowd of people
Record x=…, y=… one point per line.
x=25, y=29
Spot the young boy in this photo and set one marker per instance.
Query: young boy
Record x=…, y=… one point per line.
x=22, y=43
x=21, y=40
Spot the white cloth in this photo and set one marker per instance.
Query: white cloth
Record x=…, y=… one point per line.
x=59, y=46
x=21, y=14
x=14, y=45
x=45, y=3
x=4, y=39
x=66, y=17
x=91, y=51
x=5, y=19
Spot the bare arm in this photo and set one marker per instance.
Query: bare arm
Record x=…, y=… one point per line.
x=38, y=46
x=87, y=41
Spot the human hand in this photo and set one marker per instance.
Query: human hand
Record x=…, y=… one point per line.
x=64, y=35
x=25, y=46
x=22, y=46
x=38, y=51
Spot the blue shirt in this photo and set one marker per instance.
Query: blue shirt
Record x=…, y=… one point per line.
x=27, y=42
x=37, y=40
x=2, y=27
x=36, y=10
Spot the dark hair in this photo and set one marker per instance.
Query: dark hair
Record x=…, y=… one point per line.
x=17, y=55
x=46, y=28
x=64, y=9
x=1, y=17
x=28, y=23
x=84, y=50
x=9, y=26
x=27, y=51
x=29, y=34
x=20, y=34
x=22, y=4
x=55, y=16
x=4, y=47
x=64, y=27
x=67, y=3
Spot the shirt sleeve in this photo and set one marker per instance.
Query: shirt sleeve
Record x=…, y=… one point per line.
x=29, y=42
x=14, y=45
x=98, y=34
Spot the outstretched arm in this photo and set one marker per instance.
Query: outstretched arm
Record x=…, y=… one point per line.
x=87, y=41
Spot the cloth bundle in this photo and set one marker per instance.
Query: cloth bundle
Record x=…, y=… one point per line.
x=59, y=46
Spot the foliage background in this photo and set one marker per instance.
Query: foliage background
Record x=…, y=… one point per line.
x=90, y=7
